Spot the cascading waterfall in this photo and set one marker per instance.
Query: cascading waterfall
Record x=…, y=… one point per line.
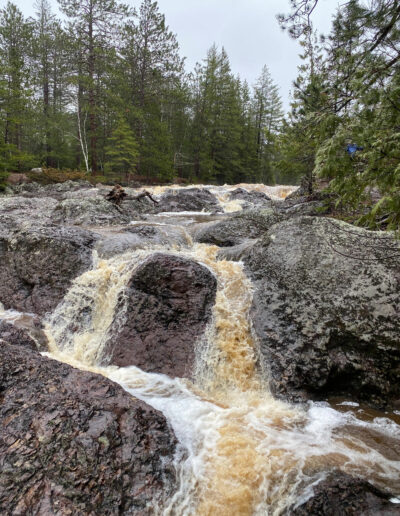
x=242, y=452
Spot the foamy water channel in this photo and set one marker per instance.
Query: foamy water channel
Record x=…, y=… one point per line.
x=241, y=452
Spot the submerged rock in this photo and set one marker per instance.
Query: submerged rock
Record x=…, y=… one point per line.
x=341, y=495
x=73, y=442
x=326, y=310
x=188, y=199
x=39, y=263
x=168, y=304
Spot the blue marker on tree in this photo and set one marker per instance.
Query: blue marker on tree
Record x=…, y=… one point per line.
x=352, y=148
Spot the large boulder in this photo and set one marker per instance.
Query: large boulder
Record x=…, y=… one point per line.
x=167, y=306
x=238, y=228
x=73, y=442
x=139, y=236
x=342, y=495
x=188, y=199
x=17, y=209
x=89, y=211
x=326, y=310
x=252, y=197
x=38, y=264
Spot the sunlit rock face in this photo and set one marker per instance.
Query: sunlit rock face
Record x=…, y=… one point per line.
x=326, y=309
x=73, y=442
x=167, y=305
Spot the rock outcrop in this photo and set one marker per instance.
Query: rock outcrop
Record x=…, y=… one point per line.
x=13, y=335
x=15, y=210
x=73, y=442
x=252, y=197
x=188, y=199
x=168, y=304
x=38, y=264
x=238, y=228
x=342, y=495
x=89, y=211
x=326, y=310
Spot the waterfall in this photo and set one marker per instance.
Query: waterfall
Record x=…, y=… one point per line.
x=241, y=451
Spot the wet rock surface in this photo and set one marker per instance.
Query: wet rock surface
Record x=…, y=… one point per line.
x=238, y=228
x=15, y=210
x=89, y=211
x=250, y=197
x=38, y=264
x=169, y=303
x=189, y=199
x=326, y=310
x=11, y=334
x=57, y=191
x=74, y=442
x=342, y=495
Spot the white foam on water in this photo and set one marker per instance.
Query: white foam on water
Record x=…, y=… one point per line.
x=241, y=451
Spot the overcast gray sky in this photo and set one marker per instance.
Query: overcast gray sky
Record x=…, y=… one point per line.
x=246, y=28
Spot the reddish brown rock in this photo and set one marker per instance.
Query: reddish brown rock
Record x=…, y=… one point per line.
x=169, y=305
x=13, y=335
x=342, y=495
x=73, y=442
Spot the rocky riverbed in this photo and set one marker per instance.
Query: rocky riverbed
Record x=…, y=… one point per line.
x=221, y=350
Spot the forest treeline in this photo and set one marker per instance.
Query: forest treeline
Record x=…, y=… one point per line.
x=105, y=91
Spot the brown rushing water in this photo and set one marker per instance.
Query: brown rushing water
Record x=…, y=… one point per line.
x=244, y=452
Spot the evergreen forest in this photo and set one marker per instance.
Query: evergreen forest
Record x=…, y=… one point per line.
x=104, y=91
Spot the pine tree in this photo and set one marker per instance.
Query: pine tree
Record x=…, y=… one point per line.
x=15, y=80
x=268, y=119
x=94, y=25
x=121, y=151
x=153, y=82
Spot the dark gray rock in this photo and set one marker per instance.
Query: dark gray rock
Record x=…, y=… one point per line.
x=252, y=197
x=56, y=190
x=14, y=210
x=73, y=442
x=89, y=211
x=238, y=228
x=326, y=310
x=188, y=199
x=169, y=301
x=139, y=236
x=342, y=495
x=39, y=263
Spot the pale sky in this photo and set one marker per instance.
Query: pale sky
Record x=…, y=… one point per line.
x=248, y=30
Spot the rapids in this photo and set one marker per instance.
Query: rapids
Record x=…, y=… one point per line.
x=241, y=452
